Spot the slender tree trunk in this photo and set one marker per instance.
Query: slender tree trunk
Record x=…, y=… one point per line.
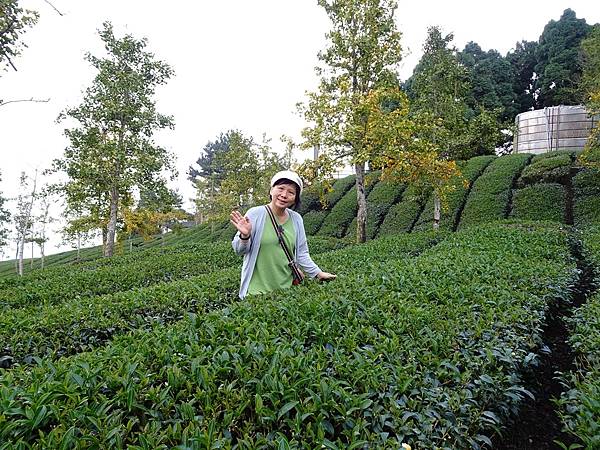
x=78, y=246
x=20, y=250
x=436, y=211
x=361, y=216
x=42, y=253
x=104, y=238
x=31, y=261
x=111, y=229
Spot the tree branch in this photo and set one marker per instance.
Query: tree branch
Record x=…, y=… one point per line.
x=54, y=7
x=33, y=100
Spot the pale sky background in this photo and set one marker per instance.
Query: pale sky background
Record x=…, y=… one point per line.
x=238, y=64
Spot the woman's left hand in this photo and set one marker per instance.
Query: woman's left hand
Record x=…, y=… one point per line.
x=326, y=276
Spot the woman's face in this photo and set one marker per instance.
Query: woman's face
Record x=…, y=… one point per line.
x=283, y=195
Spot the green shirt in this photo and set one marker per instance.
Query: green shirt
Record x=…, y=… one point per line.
x=271, y=271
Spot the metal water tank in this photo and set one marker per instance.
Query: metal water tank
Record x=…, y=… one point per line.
x=553, y=128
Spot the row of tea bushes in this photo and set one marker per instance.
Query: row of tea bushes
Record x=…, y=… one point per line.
x=586, y=186
x=117, y=261
x=77, y=325
x=187, y=236
x=551, y=167
x=313, y=219
x=470, y=170
x=489, y=198
x=581, y=403
x=541, y=201
x=357, y=256
x=337, y=221
x=53, y=331
x=401, y=217
x=72, y=284
x=381, y=198
x=423, y=350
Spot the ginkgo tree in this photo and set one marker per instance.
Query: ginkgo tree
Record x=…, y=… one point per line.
x=363, y=54
x=112, y=153
x=395, y=140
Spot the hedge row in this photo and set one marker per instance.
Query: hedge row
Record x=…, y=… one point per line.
x=74, y=284
x=389, y=353
x=337, y=221
x=381, y=198
x=192, y=235
x=541, y=201
x=401, y=216
x=586, y=187
x=489, y=198
x=552, y=167
x=314, y=219
x=580, y=405
x=75, y=326
x=470, y=171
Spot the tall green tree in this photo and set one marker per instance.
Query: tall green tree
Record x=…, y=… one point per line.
x=363, y=54
x=233, y=173
x=524, y=79
x=558, y=61
x=14, y=21
x=439, y=89
x=112, y=153
x=490, y=77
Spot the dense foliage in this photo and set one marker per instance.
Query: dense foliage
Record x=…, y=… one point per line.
x=376, y=374
x=580, y=405
x=491, y=193
x=542, y=201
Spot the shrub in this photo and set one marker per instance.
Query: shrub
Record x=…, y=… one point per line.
x=542, y=201
x=552, y=167
x=490, y=195
x=470, y=170
x=401, y=216
x=580, y=405
x=586, y=187
x=345, y=210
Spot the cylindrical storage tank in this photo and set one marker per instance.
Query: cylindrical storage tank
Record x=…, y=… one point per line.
x=554, y=128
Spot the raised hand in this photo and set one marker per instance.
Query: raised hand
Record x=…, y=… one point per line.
x=242, y=223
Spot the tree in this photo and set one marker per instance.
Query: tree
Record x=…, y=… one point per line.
x=591, y=92
x=43, y=219
x=558, y=62
x=490, y=77
x=23, y=218
x=112, y=152
x=403, y=154
x=234, y=177
x=14, y=21
x=362, y=54
x=4, y=219
x=524, y=79
x=437, y=90
x=154, y=213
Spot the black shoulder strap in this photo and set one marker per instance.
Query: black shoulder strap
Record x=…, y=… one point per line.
x=296, y=273
x=279, y=233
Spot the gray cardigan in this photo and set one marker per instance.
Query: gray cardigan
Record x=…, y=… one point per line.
x=249, y=248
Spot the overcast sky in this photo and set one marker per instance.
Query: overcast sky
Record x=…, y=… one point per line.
x=238, y=64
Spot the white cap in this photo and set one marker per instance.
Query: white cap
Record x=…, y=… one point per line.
x=288, y=175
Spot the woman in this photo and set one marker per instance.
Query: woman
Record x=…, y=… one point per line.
x=265, y=267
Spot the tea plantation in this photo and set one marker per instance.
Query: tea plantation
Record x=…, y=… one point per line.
x=429, y=339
